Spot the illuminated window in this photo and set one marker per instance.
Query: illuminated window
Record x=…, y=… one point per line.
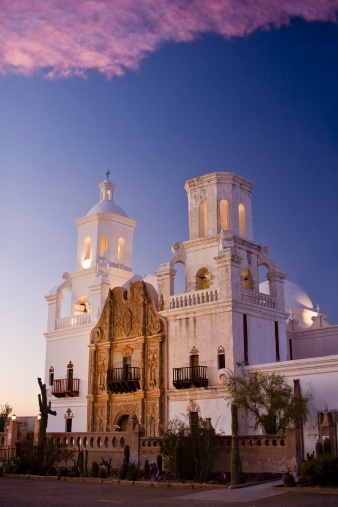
x=241, y=217
x=247, y=282
x=203, y=219
x=224, y=214
x=202, y=279
x=109, y=195
x=120, y=252
x=86, y=258
x=103, y=246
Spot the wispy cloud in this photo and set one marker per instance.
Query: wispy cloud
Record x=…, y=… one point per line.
x=64, y=38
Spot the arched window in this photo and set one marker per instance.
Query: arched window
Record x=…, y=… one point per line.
x=247, y=282
x=86, y=257
x=224, y=214
x=51, y=375
x=123, y=422
x=103, y=246
x=241, y=217
x=120, y=252
x=202, y=279
x=203, y=219
x=82, y=305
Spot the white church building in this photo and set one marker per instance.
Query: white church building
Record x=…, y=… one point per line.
x=131, y=346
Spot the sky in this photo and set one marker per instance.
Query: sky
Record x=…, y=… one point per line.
x=159, y=92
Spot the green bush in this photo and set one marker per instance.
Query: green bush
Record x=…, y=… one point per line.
x=320, y=471
x=289, y=480
x=102, y=474
x=132, y=472
x=95, y=469
x=51, y=472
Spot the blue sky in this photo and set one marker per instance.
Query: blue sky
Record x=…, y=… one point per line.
x=263, y=105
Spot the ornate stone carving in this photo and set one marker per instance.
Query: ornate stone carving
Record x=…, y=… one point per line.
x=101, y=375
x=220, y=350
x=127, y=351
x=127, y=408
x=193, y=406
x=100, y=417
x=152, y=368
x=223, y=375
x=69, y=414
x=194, y=351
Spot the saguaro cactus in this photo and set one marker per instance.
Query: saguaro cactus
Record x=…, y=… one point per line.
x=45, y=409
x=236, y=467
x=178, y=460
x=124, y=467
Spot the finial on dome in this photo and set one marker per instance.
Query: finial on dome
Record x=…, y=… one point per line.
x=107, y=174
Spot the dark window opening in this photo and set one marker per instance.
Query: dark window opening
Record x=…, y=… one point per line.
x=221, y=361
x=68, y=425
x=245, y=338
x=193, y=420
x=277, y=342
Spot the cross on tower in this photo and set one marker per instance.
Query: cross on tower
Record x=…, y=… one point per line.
x=107, y=174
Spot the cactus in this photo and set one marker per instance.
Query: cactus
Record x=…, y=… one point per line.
x=319, y=448
x=159, y=464
x=124, y=467
x=327, y=446
x=86, y=463
x=80, y=463
x=146, y=469
x=178, y=460
x=236, y=466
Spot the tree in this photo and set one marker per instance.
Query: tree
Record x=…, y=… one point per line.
x=5, y=411
x=269, y=398
x=199, y=446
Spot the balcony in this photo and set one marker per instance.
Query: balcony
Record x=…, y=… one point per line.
x=190, y=376
x=66, y=387
x=123, y=380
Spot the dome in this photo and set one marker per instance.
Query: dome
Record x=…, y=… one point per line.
x=106, y=203
x=297, y=302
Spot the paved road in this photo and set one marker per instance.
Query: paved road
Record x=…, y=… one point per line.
x=35, y=493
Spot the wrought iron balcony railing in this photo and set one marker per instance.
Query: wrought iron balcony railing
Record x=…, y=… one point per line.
x=66, y=387
x=190, y=376
x=123, y=380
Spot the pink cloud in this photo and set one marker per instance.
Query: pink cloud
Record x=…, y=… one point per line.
x=64, y=38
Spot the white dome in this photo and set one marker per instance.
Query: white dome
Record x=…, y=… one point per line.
x=297, y=302
x=106, y=203
x=107, y=207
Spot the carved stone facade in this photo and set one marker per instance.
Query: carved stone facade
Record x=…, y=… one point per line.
x=126, y=362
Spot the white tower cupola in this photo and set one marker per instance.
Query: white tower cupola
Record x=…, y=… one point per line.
x=105, y=234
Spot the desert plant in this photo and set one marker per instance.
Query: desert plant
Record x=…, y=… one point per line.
x=327, y=446
x=80, y=463
x=178, y=460
x=51, y=472
x=124, y=467
x=289, y=480
x=102, y=474
x=236, y=466
x=85, y=470
x=146, y=469
x=159, y=464
x=95, y=469
x=269, y=398
x=320, y=471
x=132, y=472
x=319, y=448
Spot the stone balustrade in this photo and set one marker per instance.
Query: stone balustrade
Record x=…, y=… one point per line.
x=77, y=320
x=193, y=298
x=258, y=298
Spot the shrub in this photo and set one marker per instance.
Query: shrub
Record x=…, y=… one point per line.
x=132, y=472
x=95, y=469
x=320, y=471
x=51, y=472
x=146, y=469
x=102, y=474
x=289, y=480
